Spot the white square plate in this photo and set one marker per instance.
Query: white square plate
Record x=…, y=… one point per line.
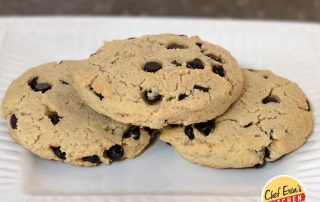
x=159, y=174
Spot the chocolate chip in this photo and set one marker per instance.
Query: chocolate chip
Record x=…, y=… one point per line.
x=182, y=97
x=199, y=44
x=35, y=86
x=13, y=121
x=54, y=117
x=150, y=130
x=175, y=46
x=214, y=57
x=93, y=54
x=174, y=125
x=309, y=107
x=130, y=38
x=266, y=153
x=188, y=130
x=204, y=89
x=43, y=87
x=64, y=82
x=259, y=165
x=265, y=76
x=271, y=134
x=115, y=153
x=92, y=159
x=176, y=63
x=152, y=67
x=58, y=153
x=218, y=69
x=151, y=97
x=99, y=95
x=269, y=99
x=132, y=131
x=33, y=82
x=248, y=125
x=168, y=143
x=182, y=35
x=195, y=64
x=60, y=62
x=251, y=70
x=205, y=127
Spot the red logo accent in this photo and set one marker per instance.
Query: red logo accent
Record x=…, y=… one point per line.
x=294, y=198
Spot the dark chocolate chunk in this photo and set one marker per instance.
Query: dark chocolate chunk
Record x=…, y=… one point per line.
x=266, y=153
x=168, y=143
x=259, y=165
x=35, y=86
x=33, y=82
x=265, y=76
x=115, y=153
x=195, y=64
x=64, y=82
x=197, y=87
x=99, y=95
x=93, y=54
x=13, y=121
x=182, y=97
x=188, y=130
x=58, y=152
x=175, y=46
x=205, y=127
x=218, y=69
x=54, y=117
x=269, y=99
x=132, y=131
x=152, y=99
x=152, y=66
x=174, y=125
x=130, y=38
x=214, y=57
x=92, y=159
x=248, y=125
x=199, y=44
x=176, y=63
x=271, y=134
x=43, y=87
x=150, y=130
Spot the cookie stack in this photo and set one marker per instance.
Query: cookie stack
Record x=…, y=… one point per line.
x=108, y=107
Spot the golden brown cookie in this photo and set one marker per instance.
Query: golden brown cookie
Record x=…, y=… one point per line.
x=272, y=118
x=45, y=115
x=158, y=80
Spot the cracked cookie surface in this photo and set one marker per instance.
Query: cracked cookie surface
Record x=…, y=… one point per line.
x=272, y=118
x=158, y=80
x=45, y=115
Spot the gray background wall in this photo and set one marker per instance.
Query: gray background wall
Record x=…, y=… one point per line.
x=302, y=10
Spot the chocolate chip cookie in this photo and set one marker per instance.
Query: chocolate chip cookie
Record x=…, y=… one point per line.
x=158, y=80
x=272, y=118
x=45, y=115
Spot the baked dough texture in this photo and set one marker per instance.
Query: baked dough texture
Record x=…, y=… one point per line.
x=157, y=80
x=45, y=115
x=272, y=118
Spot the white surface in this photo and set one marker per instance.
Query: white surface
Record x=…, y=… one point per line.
x=159, y=174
